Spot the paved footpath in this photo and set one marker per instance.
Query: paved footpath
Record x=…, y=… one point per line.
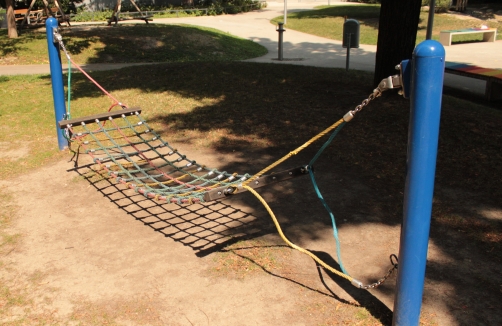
x=305, y=49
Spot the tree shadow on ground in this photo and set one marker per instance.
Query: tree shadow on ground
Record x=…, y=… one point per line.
x=12, y=46
x=156, y=43
x=259, y=112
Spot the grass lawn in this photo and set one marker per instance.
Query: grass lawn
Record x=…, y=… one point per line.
x=181, y=104
x=131, y=43
x=327, y=21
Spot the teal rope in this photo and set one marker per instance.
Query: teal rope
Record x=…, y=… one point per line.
x=139, y=133
x=319, y=195
x=68, y=113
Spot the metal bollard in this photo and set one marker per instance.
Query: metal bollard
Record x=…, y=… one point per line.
x=280, y=29
x=427, y=75
x=347, y=61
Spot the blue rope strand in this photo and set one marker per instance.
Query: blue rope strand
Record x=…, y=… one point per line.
x=321, y=198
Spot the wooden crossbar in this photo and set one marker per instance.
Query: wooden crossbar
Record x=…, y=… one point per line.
x=101, y=117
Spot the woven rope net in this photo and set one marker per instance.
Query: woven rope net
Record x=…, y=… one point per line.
x=132, y=153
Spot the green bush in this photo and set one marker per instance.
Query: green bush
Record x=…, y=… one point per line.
x=440, y=5
x=217, y=7
x=363, y=1
x=89, y=16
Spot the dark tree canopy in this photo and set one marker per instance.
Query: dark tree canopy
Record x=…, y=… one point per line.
x=397, y=33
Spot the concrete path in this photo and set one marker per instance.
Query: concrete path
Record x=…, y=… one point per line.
x=305, y=49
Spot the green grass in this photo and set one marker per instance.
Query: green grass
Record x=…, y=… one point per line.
x=131, y=43
x=179, y=13
x=327, y=21
x=32, y=118
x=245, y=108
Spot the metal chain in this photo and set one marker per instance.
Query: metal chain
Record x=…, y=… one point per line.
x=386, y=83
x=350, y=115
x=386, y=276
x=58, y=38
x=376, y=93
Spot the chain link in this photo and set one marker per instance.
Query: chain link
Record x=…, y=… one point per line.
x=350, y=115
x=386, y=83
x=59, y=39
x=386, y=276
x=376, y=93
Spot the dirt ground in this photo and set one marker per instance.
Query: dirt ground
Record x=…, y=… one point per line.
x=92, y=253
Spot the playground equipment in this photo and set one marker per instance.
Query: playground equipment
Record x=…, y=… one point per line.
x=28, y=17
x=116, y=14
x=159, y=178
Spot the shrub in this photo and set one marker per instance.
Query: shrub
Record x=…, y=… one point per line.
x=363, y=1
x=440, y=5
x=88, y=16
x=216, y=7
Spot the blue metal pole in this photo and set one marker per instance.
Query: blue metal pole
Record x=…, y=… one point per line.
x=426, y=93
x=56, y=79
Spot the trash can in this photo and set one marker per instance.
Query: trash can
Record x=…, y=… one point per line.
x=351, y=34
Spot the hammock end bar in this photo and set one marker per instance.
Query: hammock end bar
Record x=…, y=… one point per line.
x=223, y=192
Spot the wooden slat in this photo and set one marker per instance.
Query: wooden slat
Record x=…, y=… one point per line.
x=466, y=73
x=101, y=117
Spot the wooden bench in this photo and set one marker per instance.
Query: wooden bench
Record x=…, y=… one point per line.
x=19, y=14
x=35, y=16
x=493, y=77
x=489, y=34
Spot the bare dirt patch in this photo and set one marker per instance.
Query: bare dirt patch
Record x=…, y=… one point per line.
x=13, y=150
x=93, y=253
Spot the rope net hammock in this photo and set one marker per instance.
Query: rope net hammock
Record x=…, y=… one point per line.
x=123, y=144
x=130, y=151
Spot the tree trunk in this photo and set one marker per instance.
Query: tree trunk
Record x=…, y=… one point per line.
x=397, y=34
x=461, y=5
x=11, y=19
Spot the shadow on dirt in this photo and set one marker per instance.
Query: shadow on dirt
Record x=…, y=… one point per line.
x=362, y=174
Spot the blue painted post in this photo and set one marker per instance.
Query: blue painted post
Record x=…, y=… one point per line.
x=57, y=79
x=426, y=93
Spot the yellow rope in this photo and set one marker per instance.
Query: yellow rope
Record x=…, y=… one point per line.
x=294, y=152
x=292, y=245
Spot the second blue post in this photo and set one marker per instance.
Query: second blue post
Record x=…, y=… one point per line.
x=425, y=96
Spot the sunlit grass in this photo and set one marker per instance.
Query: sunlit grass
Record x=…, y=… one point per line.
x=327, y=21
x=130, y=43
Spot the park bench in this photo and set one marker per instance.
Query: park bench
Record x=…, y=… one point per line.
x=34, y=16
x=39, y=16
x=493, y=77
x=489, y=34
